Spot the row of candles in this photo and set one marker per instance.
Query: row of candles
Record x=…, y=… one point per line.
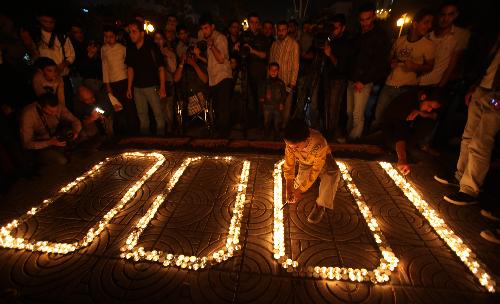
x=8, y=241
x=388, y=261
x=454, y=242
x=131, y=251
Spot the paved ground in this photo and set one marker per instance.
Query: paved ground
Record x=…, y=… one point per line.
x=194, y=221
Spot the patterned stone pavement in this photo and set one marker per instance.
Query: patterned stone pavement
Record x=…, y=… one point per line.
x=194, y=220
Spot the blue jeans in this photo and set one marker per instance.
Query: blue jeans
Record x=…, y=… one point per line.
x=143, y=97
x=387, y=95
x=356, y=104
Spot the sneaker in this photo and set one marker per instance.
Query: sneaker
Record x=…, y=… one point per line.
x=460, y=199
x=430, y=150
x=494, y=216
x=491, y=236
x=447, y=179
x=341, y=140
x=316, y=214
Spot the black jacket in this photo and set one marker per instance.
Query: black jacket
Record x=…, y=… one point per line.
x=371, y=51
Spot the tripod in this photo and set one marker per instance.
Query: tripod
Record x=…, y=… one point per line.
x=309, y=91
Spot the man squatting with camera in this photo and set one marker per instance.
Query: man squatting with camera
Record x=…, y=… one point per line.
x=43, y=132
x=310, y=149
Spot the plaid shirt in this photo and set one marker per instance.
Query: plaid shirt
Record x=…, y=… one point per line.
x=286, y=53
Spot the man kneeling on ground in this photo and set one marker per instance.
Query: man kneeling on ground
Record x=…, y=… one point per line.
x=46, y=127
x=410, y=120
x=310, y=149
x=95, y=111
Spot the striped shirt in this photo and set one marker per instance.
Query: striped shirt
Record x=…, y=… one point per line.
x=286, y=53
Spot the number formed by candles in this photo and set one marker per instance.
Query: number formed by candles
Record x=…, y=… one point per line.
x=8, y=241
x=131, y=251
x=388, y=262
x=466, y=255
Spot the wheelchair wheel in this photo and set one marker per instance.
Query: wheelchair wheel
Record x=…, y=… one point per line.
x=210, y=117
x=178, y=117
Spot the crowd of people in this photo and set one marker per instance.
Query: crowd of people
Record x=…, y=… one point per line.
x=347, y=84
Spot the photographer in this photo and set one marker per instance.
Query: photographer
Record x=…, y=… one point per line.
x=254, y=51
x=184, y=40
x=219, y=75
x=311, y=75
x=43, y=129
x=191, y=77
x=95, y=110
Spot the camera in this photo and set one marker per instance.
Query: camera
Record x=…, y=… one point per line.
x=320, y=39
x=202, y=45
x=246, y=39
x=64, y=134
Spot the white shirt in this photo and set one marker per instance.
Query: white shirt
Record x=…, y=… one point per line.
x=446, y=46
x=417, y=51
x=113, y=62
x=55, y=53
x=218, y=71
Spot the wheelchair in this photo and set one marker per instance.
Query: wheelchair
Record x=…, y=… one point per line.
x=195, y=107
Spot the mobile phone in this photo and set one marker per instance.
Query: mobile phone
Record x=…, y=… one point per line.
x=495, y=103
x=99, y=110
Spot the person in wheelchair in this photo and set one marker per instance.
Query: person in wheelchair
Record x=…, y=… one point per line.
x=191, y=80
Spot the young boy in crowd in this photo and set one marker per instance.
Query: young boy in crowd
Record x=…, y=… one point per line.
x=47, y=79
x=273, y=99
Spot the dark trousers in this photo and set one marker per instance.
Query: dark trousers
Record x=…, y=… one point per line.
x=254, y=111
x=126, y=121
x=415, y=134
x=68, y=93
x=221, y=98
x=334, y=97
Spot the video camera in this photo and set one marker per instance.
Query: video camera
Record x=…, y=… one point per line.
x=320, y=39
x=246, y=38
x=201, y=44
x=64, y=134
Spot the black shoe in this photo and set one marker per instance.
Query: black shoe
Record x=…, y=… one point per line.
x=447, y=179
x=460, y=199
